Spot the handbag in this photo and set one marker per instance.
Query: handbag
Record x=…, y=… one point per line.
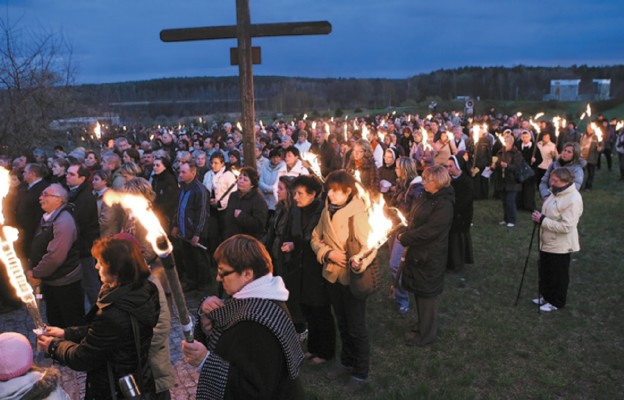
x=365, y=283
x=525, y=172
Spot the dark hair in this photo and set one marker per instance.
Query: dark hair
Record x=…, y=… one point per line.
x=219, y=155
x=83, y=170
x=309, y=182
x=133, y=154
x=341, y=180
x=252, y=174
x=123, y=259
x=61, y=162
x=242, y=252
x=275, y=152
x=39, y=170
x=292, y=149
x=235, y=154
x=104, y=175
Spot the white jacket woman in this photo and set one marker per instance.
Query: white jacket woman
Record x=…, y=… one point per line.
x=219, y=183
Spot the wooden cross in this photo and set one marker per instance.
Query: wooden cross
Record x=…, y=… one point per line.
x=244, y=31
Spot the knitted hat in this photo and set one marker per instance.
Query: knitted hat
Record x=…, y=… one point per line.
x=16, y=355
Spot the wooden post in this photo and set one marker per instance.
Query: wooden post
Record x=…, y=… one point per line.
x=245, y=71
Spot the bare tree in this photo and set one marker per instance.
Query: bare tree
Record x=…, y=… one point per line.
x=36, y=73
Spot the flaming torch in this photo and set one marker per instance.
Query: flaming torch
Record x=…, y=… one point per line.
x=383, y=226
x=312, y=159
x=156, y=236
x=597, y=131
x=97, y=130
x=8, y=235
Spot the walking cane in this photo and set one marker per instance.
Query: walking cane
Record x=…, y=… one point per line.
x=526, y=262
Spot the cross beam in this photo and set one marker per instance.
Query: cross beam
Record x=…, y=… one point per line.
x=243, y=31
x=255, y=30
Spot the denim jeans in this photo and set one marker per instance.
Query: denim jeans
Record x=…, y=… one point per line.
x=401, y=295
x=509, y=206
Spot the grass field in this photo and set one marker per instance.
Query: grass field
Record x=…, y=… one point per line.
x=489, y=349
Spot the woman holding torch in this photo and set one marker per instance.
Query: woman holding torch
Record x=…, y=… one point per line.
x=345, y=217
x=121, y=322
x=426, y=240
x=508, y=164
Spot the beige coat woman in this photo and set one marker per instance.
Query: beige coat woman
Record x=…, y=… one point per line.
x=562, y=212
x=331, y=234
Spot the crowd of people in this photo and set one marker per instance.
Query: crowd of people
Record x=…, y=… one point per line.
x=271, y=246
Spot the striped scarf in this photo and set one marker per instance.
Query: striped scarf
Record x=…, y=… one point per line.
x=265, y=312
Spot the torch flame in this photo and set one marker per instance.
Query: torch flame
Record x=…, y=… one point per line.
x=597, y=131
x=312, y=159
x=238, y=125
x=556, y=122
x=538, y=115
x=382, y=224
x=13, y=264
x=142, y=211
x=313, y=125
x=476, y=133
x=327, y=128
x=519, y=114
x=535, y=126
x=425, y=138
x=305, y=116
x=97, y=130
x=364, y=131
x=588, y=110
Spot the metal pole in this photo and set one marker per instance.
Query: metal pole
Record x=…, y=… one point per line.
x=526, y=262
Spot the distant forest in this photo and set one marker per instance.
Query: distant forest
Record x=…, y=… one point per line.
x=182, y=97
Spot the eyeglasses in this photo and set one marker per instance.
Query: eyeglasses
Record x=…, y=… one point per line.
x=44, y=194
x=224, y=274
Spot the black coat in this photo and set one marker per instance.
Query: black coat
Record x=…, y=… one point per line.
x=304, y=270
x=254, y=353
x=463, y=210
x=167, y=192
x=253, y=217
x=505, y=178
x=426, y=240
x=28, y=213
x=109, y=338
x=86, y=217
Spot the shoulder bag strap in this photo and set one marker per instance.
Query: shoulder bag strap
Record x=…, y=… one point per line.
x=137, y=344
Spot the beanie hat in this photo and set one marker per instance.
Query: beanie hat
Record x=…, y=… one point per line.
x=16, y=355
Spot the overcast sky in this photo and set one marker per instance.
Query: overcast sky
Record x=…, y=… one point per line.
x=118, y=40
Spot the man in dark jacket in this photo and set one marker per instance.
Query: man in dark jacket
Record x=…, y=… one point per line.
x=190, y=226
x=86, y=216
x=323, y=149
x=28, y=211
x=54, y=261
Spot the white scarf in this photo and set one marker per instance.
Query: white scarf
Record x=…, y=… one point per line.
x=268, y=287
